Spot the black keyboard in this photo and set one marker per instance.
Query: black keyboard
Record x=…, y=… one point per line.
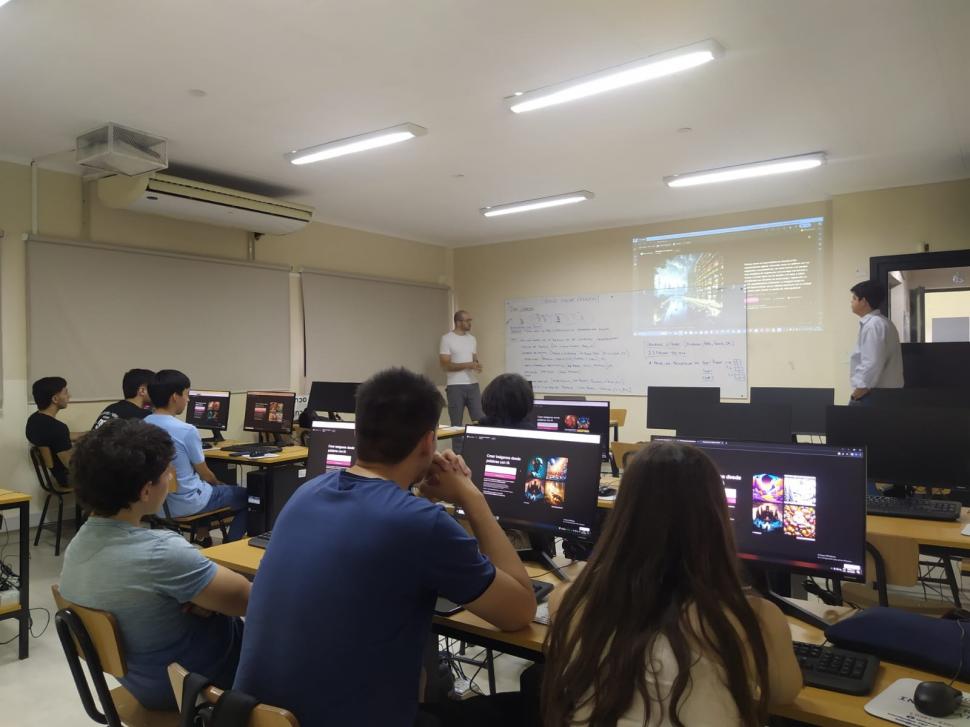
x=837, y=670
x=444, y=607
x=261, y=541
x=253, y=450
x=920, y=508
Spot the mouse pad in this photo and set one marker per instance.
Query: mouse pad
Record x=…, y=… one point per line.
x=895, y=704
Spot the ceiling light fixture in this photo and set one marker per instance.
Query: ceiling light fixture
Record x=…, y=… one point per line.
x=645, y=69
x=511, y=208
x=3, y=2
x=747, y=171
x=352, y=144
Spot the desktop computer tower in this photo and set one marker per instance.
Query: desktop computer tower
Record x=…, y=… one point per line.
x=268, y=491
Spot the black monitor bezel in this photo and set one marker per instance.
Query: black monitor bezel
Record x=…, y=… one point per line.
x=799, y=409
x=652, y=423
x=593, y=404
x=211, y=393
x=317, y=401
x=279, y=430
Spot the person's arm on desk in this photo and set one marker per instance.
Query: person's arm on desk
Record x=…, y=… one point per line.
x=784, y=674
x=509, y=602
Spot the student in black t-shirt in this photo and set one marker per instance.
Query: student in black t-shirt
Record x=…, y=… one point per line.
x=134, y=385
x=43, y=429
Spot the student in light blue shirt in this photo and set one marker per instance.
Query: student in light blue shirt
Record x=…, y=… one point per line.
x=170, y=601
x=198, y=488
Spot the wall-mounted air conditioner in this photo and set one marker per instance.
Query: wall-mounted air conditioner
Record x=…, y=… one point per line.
x=184, y=199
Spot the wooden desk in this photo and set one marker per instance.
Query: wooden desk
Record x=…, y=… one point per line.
x=815, y=706
x=289, y=455
x=10, y=500
x=446, y=432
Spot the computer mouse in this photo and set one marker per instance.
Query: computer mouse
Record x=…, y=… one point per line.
x=937, y=699
x=607, y=491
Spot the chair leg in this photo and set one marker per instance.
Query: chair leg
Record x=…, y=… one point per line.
x=43, y=515
x=60, y=523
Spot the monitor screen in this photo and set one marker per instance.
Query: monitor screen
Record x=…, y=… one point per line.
x=926, y=398
x=339, y=397
x=541, y=482
x=799, y=506
x=664, y=402
x=208, y=409
x=269, y=411
x=807, y=405
x=333, y=446
x=913, y=446
x=580, y=417
x=737, y=422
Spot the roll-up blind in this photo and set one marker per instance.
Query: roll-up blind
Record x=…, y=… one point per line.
x=95, y=311
x=355, y=326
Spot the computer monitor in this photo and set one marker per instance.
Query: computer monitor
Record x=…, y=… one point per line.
x=208, y=410
x=564, y=397
x=807, y=405
x=333, y=397
x=926, y=398
x=577, y=416
x=736, y=422
x=269, y=411
x=914, y=446
x=333, y=446
x=664, y=402
x=540, y=482
x=798, y=506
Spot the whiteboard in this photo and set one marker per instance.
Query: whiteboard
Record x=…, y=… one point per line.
x=621, y=343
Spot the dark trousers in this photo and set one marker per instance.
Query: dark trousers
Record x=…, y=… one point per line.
x=459, y=397
x=507, y=709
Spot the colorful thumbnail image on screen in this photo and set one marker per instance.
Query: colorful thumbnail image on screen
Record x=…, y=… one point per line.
x=268, y=411
x=207, y=411
x=784, y=504
x=546, y=481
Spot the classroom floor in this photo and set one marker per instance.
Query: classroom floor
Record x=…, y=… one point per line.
x=39, y=691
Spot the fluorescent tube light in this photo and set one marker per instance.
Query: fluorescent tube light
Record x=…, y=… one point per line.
x=645, y=69
x=529, y=205
x=3, y=2
x=361, y=142
x=747, y=171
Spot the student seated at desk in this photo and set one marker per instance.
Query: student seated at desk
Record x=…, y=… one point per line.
x=343, y=601
x=507, y=402
x=198, y=488
x=657, y=629
x=43, y=429
x=171, y=602
x=134, y=385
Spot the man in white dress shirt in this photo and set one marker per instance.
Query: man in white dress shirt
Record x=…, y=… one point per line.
x=459, y=358
x=877, y=361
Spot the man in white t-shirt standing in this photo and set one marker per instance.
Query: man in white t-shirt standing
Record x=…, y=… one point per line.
x=459, y=358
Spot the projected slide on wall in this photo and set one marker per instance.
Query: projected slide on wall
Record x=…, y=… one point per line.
x=780, y=265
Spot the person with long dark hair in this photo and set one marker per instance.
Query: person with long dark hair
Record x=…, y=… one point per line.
x=657, y=628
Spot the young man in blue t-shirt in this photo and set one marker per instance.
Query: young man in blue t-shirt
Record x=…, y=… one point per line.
x=342, y=604
x=198, y=488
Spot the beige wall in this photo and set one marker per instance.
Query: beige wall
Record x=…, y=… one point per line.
x=857, y=226
x=69, y=210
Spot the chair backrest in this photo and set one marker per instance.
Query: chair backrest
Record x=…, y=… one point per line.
x=102, y=629
x=263, y=716
x=623, y=451
x=43, y=462
x=619, y=416
x=92, y=635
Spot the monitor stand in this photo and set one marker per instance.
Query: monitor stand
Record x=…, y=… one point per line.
x=760, y=582
x=216, y=436
x=542, y=551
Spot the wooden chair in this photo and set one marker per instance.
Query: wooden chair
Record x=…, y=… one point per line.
x=619, y=418
x=43, y=462
x=93, y=635
x=191, y=524
x=263, y=716
x=622, y=451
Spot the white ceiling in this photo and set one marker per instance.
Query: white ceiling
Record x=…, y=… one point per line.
x=882, y=86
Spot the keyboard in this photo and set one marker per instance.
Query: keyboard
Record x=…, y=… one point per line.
x=837, y=670
x=253, y=450
x=913, y=507
x=444, y=607
x=261, y=541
